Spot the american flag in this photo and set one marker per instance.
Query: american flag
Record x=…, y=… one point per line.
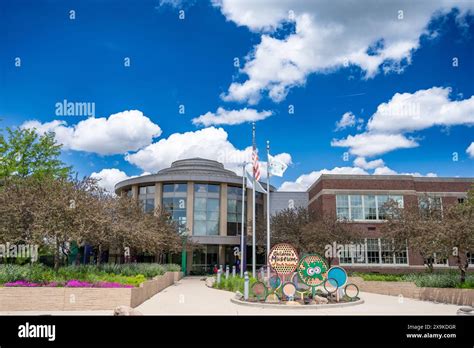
x=255, y=165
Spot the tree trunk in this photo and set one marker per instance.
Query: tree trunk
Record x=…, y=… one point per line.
x=430, y=267
x=462, y=267
x=56, y=255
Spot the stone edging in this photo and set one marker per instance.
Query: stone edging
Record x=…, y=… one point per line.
x=281, y=306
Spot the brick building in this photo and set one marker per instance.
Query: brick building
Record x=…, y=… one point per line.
x=359, y=198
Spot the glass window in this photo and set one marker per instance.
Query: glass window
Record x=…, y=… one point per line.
x=206, y=210
x=370, y=209
x=174, y=201
x=470, y=258
x=373, y=251
x=382, y=206
x=356, y=207
x=213, y=204
x=342, y=207
x=398, y=199
x=387, y=251
x=213, y=188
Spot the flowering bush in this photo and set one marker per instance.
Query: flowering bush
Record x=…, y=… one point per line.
x=22, y=283
x=107, y=275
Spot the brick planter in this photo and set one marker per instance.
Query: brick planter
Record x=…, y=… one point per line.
x=464, y=297
x=81, y=299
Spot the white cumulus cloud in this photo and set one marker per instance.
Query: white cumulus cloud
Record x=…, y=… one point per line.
x=388, y=171
x=230, y=117
x=119, y=133
x=372, y=144
x=348, y=120
x=328, y=35
x=210, y=143
x=107, y=178
x=470, y=150
x=361, y=162
x=408, y=112
x=303, y=182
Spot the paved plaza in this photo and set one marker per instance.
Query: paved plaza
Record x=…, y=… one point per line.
x=190, y=296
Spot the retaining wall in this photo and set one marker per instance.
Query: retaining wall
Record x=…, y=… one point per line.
x=408, y=289
x=81, y=299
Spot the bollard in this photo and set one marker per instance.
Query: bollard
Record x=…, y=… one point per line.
x=227, y=272
x=262, y=273
x=221, y=268
x=246, y=286
x=219, y=272
x=233, y=271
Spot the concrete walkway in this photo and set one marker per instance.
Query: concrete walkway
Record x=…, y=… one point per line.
x=191, y=296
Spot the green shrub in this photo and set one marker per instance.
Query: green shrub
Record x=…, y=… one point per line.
x=130, y=274
x=444, y=279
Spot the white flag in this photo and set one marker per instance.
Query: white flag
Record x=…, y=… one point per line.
x=276, y=167
x=258, y=186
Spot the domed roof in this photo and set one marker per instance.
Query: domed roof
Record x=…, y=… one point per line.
x=198, y=166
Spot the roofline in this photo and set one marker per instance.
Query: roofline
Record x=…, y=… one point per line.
x=389, y=177
x=156, y=178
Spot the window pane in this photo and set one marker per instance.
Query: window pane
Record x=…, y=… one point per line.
x=356, y=207
x=370, y=211
x=342, y=207
x=213, y=188
x=398, y=199
x=387, y=251
x=231, y=205
x=150, y=189
x=199, y=228
x=200, y=215
x=200, y=204
x=200, y=188
x=213, y=215
x=213, y=204
x=180, y=187
x=168, y=187
x=382, y=201
x=212, y=228
x=342, y=201
x=373, y=251
x=142, y=190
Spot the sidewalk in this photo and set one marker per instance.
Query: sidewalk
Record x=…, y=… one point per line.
x=190, y=296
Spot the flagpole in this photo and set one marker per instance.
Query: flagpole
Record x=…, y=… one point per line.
x=268, y=209
x=254, y=249
x=242, y=230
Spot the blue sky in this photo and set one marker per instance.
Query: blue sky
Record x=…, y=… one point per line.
x=321, y=60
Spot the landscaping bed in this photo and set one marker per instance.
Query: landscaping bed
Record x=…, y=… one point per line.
x=82, y=276
x=86, y=287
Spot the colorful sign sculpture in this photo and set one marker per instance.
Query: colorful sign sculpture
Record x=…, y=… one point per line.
x=312, y=270
x=289, y=277
x=259, y=290
x=283, y=258
x=337, y=276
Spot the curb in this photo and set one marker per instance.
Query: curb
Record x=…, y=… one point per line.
x=274, y=305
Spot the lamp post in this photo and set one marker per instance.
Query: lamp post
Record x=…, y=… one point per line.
x=183, y=254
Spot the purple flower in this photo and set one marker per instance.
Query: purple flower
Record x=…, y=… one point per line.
x=74, y=283
x=21, y=283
